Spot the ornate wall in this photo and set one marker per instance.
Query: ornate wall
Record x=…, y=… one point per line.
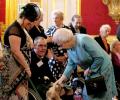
x=95, y=13
x=2, y=16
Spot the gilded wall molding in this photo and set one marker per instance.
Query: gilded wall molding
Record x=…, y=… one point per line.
x=113, y=8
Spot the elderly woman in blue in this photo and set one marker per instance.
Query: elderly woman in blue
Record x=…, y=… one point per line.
x=86, y=52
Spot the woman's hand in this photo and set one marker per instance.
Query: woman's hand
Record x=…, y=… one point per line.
x=28, y=71
x=61, y=80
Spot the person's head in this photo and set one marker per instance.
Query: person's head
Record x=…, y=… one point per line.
x=57, y=17
x=115, y=46
x=64, y=38
x=40, y=19
x=40, y=46
x=76, y=21
x=30, y=13
x=105, y=30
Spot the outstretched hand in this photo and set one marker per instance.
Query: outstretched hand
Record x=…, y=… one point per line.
x=61, y=80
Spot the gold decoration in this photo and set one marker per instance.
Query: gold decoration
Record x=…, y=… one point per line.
x=106, y=2
x=114, y=9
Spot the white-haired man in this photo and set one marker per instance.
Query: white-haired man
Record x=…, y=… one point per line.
x=105, y=30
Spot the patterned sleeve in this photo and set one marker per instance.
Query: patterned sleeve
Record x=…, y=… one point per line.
x=51, y=30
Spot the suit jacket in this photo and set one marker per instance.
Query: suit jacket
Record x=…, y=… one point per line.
x=34, y=32
x=40, y=68
x=101, y=43
x=116, y=65
x=81, y=29
x=118, y=32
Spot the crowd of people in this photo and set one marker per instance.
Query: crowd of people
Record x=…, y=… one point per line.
x=54, y=55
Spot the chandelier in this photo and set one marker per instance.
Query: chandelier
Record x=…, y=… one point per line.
x=114, y=9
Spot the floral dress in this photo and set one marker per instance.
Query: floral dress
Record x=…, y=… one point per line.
x=12, y=72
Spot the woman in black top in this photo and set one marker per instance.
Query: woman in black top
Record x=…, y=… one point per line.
x=18, y=41
x=37, y=30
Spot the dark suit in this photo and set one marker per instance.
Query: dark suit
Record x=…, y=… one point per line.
x=101, y=43
x=81, y=29
x=34, y=32
x=38, y=72
x=118, y=32
x=40, y=68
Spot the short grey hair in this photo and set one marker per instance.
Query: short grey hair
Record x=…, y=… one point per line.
x=104, y=28
x=76, y=16
x=58, y=13
x=62, y=35
x=38, y=39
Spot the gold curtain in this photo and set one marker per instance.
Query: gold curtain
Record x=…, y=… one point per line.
x=78, y=7
x=11, y=11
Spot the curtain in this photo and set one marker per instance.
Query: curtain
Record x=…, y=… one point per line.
x=68, y=7
x=11, y=11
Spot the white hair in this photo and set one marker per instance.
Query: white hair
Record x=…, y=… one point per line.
x=62, y=35
x=104, y=28
x=57, y=12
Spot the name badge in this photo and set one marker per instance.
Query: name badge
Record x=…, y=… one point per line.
x=40, y=63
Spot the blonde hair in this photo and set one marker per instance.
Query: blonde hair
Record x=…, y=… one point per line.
x=62, y=35
x=104, y=28
x=57, y=13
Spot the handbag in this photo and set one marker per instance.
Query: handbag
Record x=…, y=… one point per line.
x=95, y=86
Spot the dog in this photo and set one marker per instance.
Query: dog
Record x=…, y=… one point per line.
x=57, y=91
x=54, y=92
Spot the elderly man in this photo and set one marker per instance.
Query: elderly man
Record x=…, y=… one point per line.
x=41, y=74
x=76, y=25
x=105, y=30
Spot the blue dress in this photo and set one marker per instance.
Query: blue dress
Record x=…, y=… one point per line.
x=88, y=54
